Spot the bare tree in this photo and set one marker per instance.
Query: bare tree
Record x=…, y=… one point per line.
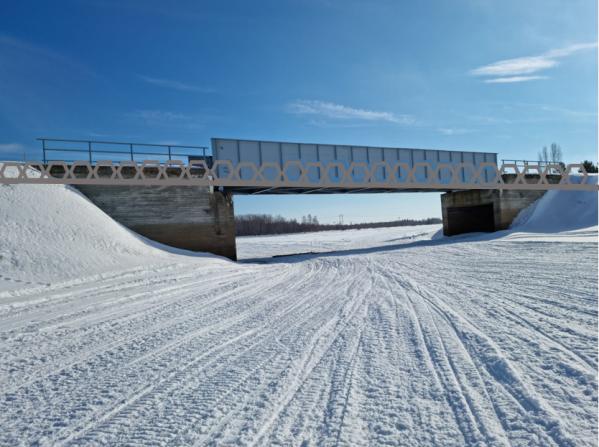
x=544, y=156
x=552, y=156
x=556, y=153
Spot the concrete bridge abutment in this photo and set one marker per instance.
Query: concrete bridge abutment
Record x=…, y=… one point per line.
x=188, y=217
x=487, y=210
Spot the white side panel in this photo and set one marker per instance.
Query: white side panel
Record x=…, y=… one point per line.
x=490, y=174
x=390, y=156
x=444, y=173
x=468, y=158
x=271, y=153
x=478, y=160
x=226, y=150
x=290, y=152
x=456, y=159
x=420, y=171
x=249, y=151
x=258, y=153
x=359, y=154
x=433, y=158
x=326, y=153
x=407, y=156
x=344, y=154
x=375, y=155
x=309, y=153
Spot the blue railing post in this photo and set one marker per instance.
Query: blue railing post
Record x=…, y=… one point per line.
x=89, y=143
x=131, y=148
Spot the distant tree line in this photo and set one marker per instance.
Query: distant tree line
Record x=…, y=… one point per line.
x=265, y=224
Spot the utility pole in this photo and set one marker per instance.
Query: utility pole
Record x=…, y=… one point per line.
x=340, y=219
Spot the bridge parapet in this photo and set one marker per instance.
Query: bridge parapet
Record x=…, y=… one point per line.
x=403, y=177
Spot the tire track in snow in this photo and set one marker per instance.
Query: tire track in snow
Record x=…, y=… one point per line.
x=293, y=306
x=505, y=375
x=165, y=303
x=132, y=351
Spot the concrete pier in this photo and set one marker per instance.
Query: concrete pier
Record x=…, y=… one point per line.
x=187, y=217
x=480, y=210
x=193, y=218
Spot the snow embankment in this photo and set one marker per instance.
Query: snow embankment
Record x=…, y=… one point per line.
x=564, y=216
x=53, y=233
x=559, y=211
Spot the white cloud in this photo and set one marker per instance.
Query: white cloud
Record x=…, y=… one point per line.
x=523, y=65
x=340, y=112
x=11, y=147
x=516, y=79
x=528, y=65
x=175, y=85
x=571, y=49
x=447, y=131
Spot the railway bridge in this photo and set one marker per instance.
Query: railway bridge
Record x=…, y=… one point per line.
x=183, y=196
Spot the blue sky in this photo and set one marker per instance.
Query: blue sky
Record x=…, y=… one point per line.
x=475, y=75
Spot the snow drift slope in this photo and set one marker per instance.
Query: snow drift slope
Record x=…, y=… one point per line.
x=53, y=233
x=482, y=342
x=559, y=211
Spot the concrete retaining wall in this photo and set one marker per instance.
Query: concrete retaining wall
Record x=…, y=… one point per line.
x=187, y=217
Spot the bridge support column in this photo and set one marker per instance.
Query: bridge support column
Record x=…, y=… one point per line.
x=487, y=210
x=188, y=217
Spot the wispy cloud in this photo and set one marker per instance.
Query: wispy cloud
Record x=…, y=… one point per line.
x=451, y=131
x=524, y=65
x=515, y=79
x=170, y=119
x=489, y=119
x=528, y=65
x=11, y=147
x=340, y=112
x=175, y=85
x=49, y=59
x=546, y=108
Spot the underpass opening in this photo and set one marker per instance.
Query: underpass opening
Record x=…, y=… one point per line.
x=470, y=219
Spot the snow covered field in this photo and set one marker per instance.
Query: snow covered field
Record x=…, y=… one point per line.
x=398, y=338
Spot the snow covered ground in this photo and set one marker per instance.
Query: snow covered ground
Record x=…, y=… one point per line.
x=398, y=338
x=256, y=247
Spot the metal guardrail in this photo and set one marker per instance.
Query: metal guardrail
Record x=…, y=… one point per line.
x=524, y=163
x=90, y=151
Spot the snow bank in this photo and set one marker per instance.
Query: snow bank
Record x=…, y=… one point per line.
x=53, y=232
x=559, y=211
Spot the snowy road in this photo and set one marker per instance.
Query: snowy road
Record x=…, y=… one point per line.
x=419, y=346
x=480, y=341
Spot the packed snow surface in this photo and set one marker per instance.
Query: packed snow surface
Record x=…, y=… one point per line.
x=392, y=337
